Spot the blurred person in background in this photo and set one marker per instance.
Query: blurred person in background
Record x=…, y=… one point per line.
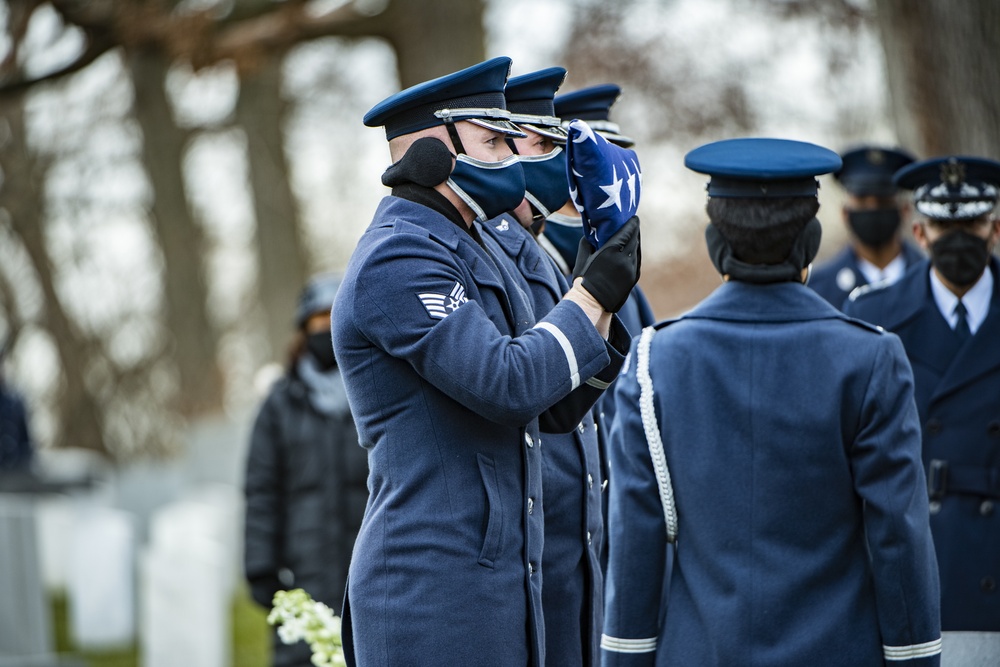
x=306, y=474
x=946, y=310
x=873, y=214
x=16, y=450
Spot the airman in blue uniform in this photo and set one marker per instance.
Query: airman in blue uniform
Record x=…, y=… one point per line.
x=447, y=370
x=775, y=442
x=877, y=253
x=946, y=310
x=573, y=584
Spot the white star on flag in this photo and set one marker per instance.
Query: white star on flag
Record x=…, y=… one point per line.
x=613, y=191
x=586, y=132
x=631, y=187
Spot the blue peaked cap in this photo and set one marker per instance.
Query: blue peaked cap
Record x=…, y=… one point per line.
x=868, y=170
x=474, y=94
x=952, y=188
x=761, y=168
x=605, y=182
x=529, y=100
x=593, y=105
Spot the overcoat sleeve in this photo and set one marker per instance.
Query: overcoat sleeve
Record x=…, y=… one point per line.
x=459, y=350
x=637, y=537
x=264, y=499
x=889, y=478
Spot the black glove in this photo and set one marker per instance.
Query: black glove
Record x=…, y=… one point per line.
x=610, y=272
x=263, y=587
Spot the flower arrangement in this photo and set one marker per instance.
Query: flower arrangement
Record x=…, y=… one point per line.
x=300, y=617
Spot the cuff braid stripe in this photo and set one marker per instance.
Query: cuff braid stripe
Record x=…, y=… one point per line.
x=567, y=348
x=618, y=645
x=924, y=650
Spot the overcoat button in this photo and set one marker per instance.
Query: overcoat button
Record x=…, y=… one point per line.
x=528, y=440
x=933, y=426
x=994, y=429
x=589, y=538
x=988, y=584
x=531, y=568
x=934, y=507
x=590, y=480
x=531, y=505
x=986, y=508
x=581, y=428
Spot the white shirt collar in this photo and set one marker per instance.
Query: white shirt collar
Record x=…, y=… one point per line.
x=892, y=272
x=976, y=300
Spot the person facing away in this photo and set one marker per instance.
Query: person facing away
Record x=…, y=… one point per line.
x=946, y=310
x=572, y=582
x=305, y=473
x=775, y=442
x=449, y=373
x=873, y=213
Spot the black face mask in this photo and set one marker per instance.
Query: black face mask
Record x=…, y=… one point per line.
x=874, y=227
x=320, y=347
x=960, y=257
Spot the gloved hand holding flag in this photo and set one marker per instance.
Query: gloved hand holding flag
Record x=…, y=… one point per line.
x=604, y=182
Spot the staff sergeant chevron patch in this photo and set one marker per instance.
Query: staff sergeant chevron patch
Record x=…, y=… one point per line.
x=440, y=305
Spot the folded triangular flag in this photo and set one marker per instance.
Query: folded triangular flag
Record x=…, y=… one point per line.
x=604, y=182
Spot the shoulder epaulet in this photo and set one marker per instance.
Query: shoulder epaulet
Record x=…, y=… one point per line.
x=664, y=323
x=865, y=325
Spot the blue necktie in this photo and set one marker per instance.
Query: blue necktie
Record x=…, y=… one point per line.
x=962, y=325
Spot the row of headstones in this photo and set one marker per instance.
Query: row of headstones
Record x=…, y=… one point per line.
x=181, y=582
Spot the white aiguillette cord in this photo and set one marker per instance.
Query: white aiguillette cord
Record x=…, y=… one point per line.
x=648, y=413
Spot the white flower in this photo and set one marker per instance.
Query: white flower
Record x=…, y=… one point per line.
x=300, y=617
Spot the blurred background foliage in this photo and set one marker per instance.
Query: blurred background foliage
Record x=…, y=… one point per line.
x=172, y=171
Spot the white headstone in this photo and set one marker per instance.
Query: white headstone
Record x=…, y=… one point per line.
x=101, y=578
x=25, y=635
x=185, y=588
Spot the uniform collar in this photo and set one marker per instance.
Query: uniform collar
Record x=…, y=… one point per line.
x=976, y=300
x=774, y=302
x=892, y=272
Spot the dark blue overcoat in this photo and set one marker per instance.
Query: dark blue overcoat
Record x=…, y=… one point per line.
x=572, y=582
x=836, y=279
x=958, y=398
x=793, y=446
x=446, y=371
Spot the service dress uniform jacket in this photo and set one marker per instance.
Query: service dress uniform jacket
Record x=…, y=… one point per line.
x=572, y=582
x=446, y=371
x=791, y=438
x=836, y=279
x=958, y=399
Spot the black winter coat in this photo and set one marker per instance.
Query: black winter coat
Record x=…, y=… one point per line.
x=306, y=490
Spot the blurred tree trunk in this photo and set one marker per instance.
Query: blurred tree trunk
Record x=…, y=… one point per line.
x=181, y=241
x=21, y=196
x=281, y=259
x=434, y=37
x=944, y=74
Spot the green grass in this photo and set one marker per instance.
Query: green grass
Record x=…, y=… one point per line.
x=251, y=637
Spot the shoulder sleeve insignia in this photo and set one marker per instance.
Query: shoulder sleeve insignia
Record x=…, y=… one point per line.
x=439, y=306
